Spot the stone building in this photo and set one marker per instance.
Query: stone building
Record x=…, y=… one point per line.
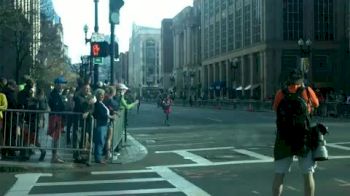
x=187, y=55
x=144, y=57
x=249, y=46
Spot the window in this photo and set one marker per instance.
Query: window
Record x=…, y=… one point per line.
x=292, y=19
x=324, y=20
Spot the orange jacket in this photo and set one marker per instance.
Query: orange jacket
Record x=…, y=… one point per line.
x=310, y=98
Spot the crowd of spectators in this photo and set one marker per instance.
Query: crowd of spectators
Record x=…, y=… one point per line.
x=61, y=109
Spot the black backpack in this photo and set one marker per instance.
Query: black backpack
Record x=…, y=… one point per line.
x=293, y=120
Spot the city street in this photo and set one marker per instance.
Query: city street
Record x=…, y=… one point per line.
x=202, y=152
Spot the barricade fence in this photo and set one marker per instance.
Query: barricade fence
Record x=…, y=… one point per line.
x=326, y=109
x=68, y=133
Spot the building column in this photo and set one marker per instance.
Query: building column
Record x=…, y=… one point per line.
x=243, y=65
x=262, y=76
x=228, y=79
x=251, y=76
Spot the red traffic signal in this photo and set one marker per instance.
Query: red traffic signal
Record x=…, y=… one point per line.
x=99, y=49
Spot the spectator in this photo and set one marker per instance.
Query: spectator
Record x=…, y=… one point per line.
x=56, y=123
x=3, y=106
x=83, y=103
x=113, y=107
x=10, y=128
x=102, y=115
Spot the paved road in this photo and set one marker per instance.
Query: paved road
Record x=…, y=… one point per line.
x=202, y=152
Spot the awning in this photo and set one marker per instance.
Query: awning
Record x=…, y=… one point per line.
x=248, y=87
x=239, y=88
x=254, y=86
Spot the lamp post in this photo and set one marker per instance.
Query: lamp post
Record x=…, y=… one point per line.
x=234, y=66
x=305, y=50
x=86, y=30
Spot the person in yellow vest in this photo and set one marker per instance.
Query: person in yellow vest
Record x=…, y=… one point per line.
x=3, y=107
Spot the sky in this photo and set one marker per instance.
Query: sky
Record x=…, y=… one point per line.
x=76, y=13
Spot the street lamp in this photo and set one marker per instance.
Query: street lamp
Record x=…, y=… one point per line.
x=304, y=55
x=86, y=29
x=234, y=66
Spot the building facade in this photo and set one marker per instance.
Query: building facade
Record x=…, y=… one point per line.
x=167, y=54
x=187, y=55
x=144, y=57
x=31, y=10
x=248, y=46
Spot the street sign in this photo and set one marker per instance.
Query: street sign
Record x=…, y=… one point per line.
x=97, y=37
x=98, y=60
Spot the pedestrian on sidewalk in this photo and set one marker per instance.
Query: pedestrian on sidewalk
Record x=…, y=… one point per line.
x=102, y=115
x=166, y=104
x=293, y=105
x=56, y=120
x=3, y=107
x=113, y=107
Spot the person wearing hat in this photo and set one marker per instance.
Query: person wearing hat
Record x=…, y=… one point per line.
x=122, y=89
x=56, y=124
x=283, y=161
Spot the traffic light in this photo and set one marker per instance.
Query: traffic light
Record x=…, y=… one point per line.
x=115, y=5
x=99, y=49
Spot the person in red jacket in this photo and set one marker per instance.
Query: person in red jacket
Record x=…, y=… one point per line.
x=166, y=104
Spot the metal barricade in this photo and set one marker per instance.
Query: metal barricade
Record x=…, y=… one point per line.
x=24, y=131
x=118, y=130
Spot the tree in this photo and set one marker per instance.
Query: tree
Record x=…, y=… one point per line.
x=52, y=61
x=15, y=41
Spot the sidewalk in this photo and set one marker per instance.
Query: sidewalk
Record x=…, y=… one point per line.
x=131, y=151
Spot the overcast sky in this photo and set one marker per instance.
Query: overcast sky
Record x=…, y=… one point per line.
x=76, y=13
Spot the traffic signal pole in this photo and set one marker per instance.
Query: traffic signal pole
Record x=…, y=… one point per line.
x=96, y=66
x=112, y=49
x=114, y=7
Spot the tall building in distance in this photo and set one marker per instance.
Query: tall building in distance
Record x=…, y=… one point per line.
x=187, y=56
x=144, y=57
x=31, y=11
x=249, y=46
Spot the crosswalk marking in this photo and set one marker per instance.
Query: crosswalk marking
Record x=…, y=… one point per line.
x=338, y=146
x=179, y=182
x=253, y=154
x=98, y=182
x=122, y=192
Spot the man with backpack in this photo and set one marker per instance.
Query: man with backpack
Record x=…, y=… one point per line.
x=293, y=105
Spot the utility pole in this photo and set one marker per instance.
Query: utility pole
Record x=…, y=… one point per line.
x=96, y=66
x=114, y=7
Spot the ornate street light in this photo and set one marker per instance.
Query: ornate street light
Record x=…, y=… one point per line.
x=304, y=55
x=86, y=29
x=305, y=52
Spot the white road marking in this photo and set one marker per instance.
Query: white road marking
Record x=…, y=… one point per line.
x=342, y=182
x=179, y=182
x=292, y=188
x=24, y=183
x=338, y=146
x=215, y=120
x=217, y=163
x=121, y=172
x=123, y=192
x=98, y=182
x=253, y=154
x=198, y=149
x=193, y=157
x=339, y=157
